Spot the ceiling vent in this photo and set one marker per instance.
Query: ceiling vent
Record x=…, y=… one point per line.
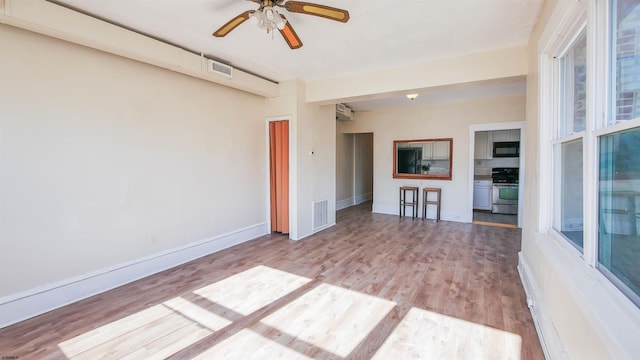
x=343, y=112
x=220, y=68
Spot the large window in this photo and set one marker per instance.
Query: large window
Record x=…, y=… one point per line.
x=595, y=143
x=573, y=87
x=571, y=68
x=625, y=46
x=619, y=156
x=570, y=186
x=619, y=210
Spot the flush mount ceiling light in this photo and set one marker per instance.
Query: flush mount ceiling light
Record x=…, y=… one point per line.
x=412, y=96
x=267, y=18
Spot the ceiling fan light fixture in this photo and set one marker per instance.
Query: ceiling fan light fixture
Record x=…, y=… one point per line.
x=269, y=13
x=280, y=22
x=266, y=17
x=255, y=18
x=412, y=96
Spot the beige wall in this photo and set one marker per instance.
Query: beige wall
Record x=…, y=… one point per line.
x=105, y=160
x=316, y=162
x=424, y=122
x=324, y=157
x=312, y=155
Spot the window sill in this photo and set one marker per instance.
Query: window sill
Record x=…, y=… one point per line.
x=612, y=316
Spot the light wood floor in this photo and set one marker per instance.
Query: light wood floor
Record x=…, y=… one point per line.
x=373, y=286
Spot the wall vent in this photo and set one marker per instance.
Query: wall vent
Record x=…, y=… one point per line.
x=220, y=68
x=320, y=214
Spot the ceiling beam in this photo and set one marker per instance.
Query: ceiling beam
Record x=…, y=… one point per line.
x=490, y=66
x=59, y=22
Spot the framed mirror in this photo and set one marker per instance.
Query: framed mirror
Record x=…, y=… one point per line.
x=423, y=159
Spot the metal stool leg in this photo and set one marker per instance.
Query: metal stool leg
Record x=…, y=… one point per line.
x=402, y=211
x=426, y=201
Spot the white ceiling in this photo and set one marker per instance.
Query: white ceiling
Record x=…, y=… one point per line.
x=445, y=94
x=381, y=34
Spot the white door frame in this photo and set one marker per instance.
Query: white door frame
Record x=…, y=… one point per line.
x=293, y=226
x=511, y=125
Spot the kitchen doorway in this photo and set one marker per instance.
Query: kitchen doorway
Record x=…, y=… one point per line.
x=496, y=169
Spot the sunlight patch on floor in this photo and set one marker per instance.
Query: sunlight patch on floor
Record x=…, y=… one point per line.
x=331, y=318
x=427, y=335
x=510, y=226
x=252, y=289
x=155, y=332
x=247, y=344
x=325, y=319
x=196, y=313
x=167, y=328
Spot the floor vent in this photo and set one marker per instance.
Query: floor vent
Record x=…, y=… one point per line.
x=220, y=68
x=320, y=214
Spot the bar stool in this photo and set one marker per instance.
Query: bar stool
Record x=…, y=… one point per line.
x=426, y=201
x=404, y=202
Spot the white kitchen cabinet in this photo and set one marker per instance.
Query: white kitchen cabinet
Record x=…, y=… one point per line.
x=483, y=148
x=427, y=150
x=482, y=194
x=506, y=135
x=441, y=150
x=484, y=141
x=435, y=150
x=515, y=135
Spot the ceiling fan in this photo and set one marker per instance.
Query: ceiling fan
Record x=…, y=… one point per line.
x=266, y=17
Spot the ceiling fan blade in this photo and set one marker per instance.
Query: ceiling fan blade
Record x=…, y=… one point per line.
x=290, y=35
x=232, y=24
x=324, y=11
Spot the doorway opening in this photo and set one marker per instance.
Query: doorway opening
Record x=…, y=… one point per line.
x=354, y=170
x=496, y=185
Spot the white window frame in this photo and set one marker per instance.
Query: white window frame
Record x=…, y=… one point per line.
x=607, y=124
x=555, y=51
x=611, y=314
x=608, y=78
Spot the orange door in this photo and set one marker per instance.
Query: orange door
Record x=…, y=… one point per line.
x=279, y=175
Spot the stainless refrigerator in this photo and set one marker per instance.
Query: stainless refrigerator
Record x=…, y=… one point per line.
x=409, y=160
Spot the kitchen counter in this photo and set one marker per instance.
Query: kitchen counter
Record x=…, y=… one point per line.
x=482, y=177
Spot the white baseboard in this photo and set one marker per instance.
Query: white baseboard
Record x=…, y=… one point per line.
x=343, y=204
x=322, y=228
x=549, y=338
x=384, y=209
x=358, y=199
x=22, y=306
x=444, y=215
x=363, y=198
